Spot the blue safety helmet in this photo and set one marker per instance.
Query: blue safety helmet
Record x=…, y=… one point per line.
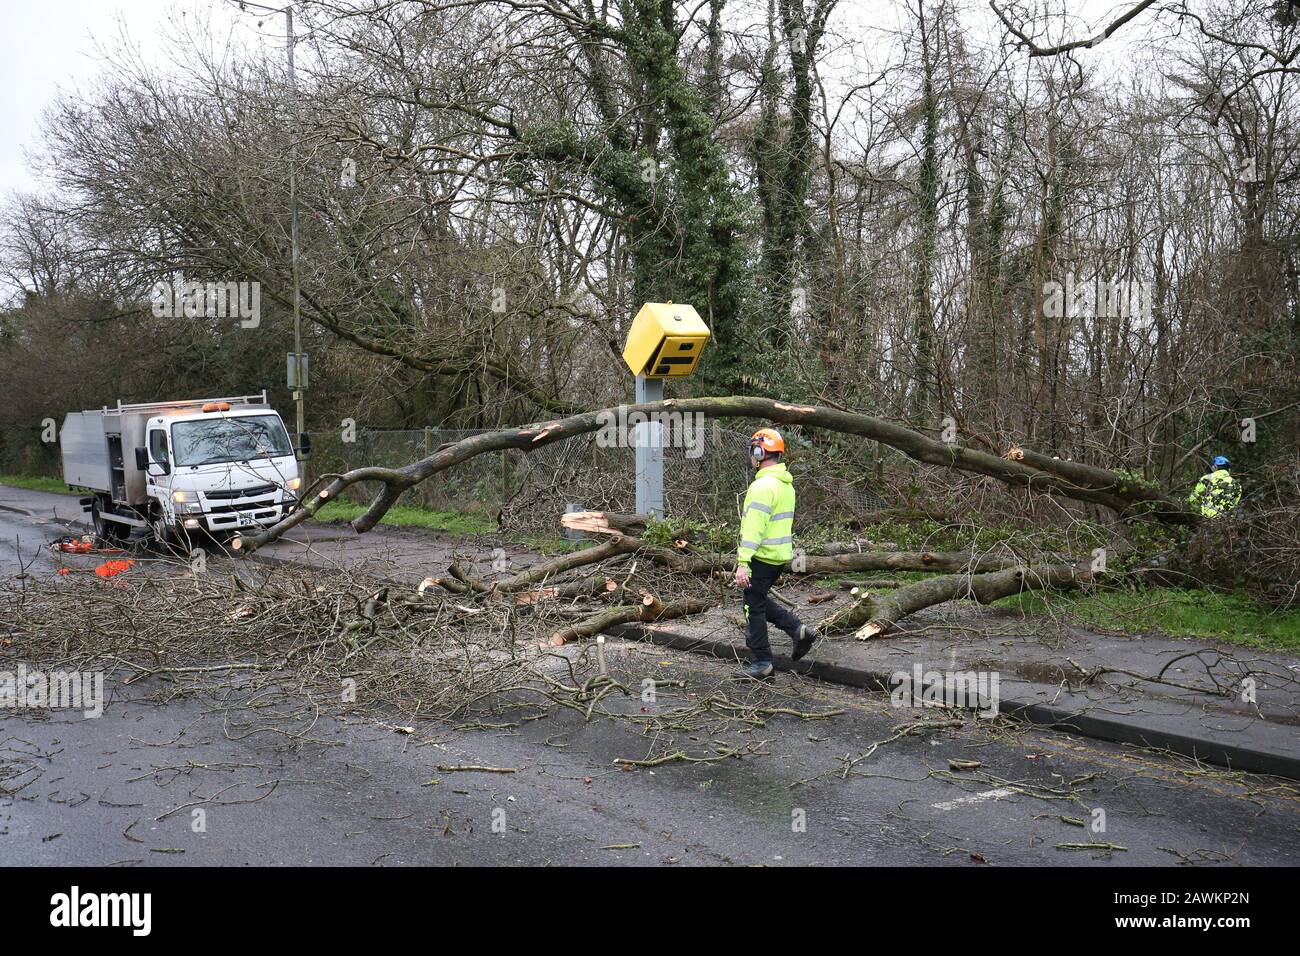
x=1220, y=461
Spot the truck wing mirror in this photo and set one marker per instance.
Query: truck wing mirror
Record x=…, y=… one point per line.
x=304, y=444
x=141, y=459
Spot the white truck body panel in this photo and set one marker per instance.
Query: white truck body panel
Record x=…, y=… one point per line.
x=84, y=449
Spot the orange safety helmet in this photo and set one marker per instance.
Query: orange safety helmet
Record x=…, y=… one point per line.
x=769, y=440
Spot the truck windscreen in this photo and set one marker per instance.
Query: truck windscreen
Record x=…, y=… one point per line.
x=216, y=440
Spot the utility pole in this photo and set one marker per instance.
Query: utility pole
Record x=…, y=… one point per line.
x=298, y=364
x=300, y=391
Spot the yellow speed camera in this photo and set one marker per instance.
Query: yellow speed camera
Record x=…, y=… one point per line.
x=666, y=340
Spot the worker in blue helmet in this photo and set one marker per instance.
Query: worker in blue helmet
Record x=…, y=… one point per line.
x=1217, y=493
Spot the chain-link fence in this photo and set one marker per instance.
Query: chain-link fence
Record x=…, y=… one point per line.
x=704, y=478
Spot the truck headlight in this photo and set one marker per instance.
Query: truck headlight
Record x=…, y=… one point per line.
x=179, y=496
x=293, y=484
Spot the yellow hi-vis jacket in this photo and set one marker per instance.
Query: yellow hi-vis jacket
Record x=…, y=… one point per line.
x=767, y=525
x=1216, y=494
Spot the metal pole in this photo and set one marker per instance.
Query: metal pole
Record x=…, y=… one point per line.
x=649, y=452
x=299, y=394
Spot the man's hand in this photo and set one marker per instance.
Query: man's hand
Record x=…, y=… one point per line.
x=742, y=576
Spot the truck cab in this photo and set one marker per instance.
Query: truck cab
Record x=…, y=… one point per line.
x=220, y=470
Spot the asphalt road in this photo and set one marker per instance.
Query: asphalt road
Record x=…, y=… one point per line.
x=124, y=789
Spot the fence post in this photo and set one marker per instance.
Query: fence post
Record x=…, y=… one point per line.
x=505, y=482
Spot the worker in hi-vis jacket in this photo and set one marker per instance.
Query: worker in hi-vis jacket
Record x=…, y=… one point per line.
x=766, y=546
x=1217, y=494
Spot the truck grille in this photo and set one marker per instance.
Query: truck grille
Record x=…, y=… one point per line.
x=242, y=506
x=252, y=491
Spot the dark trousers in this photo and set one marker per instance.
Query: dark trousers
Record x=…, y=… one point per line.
x=759, y=609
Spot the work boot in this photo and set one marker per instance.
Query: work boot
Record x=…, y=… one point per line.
x=757, y=670
x=804, y=642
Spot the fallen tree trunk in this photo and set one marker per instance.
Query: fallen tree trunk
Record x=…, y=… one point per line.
x=1089, y=476
x=856, y=547
x=553, y=568
x=707, y=562
x=598, y=585
x=915, y=445
x=460, y=582
x=904, y=561
x=870, y=615
x=611, y=523
x=875, y=614
x=648, y=610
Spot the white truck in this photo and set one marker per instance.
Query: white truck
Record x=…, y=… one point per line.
x=218, y=465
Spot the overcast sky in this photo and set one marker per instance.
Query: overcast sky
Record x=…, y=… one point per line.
x=50, y=45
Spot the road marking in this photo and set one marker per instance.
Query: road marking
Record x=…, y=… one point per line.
x=974, y=798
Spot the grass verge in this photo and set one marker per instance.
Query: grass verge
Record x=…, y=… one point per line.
x=1233, y=618
x=36, y=483
x=455, y=522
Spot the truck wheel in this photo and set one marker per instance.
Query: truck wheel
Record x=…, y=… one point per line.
x=167, y=536
x=112, y=532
